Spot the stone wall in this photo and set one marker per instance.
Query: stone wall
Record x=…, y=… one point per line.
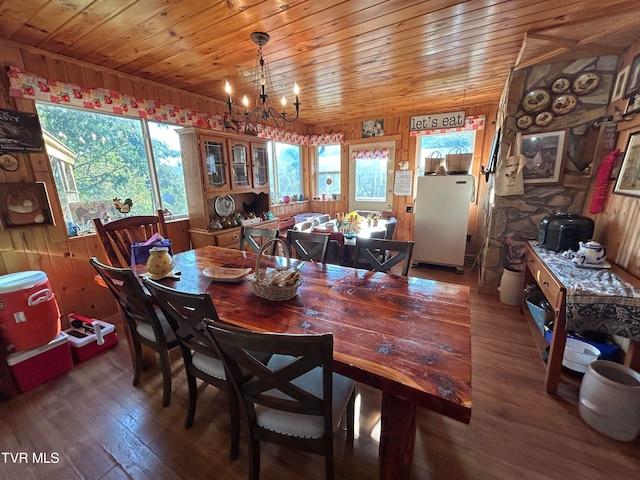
x=520, y=215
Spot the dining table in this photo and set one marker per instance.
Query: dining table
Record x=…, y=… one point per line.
x=407, y=337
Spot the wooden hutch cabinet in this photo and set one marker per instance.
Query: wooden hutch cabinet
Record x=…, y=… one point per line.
x=217, y=165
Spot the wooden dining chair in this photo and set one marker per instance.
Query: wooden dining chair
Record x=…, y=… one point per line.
x=294, y=399
x=391, y=225
x=147, y=325
x=186, y=311
x=118, y=235
x=311, y=247
x=381, y=255
x=248, y=236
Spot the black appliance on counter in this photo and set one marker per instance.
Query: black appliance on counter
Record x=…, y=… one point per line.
x=564, y=231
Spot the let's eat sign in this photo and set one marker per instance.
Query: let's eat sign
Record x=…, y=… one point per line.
x=434, y=121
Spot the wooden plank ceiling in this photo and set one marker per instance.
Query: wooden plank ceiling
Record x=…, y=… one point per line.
x=353, y=60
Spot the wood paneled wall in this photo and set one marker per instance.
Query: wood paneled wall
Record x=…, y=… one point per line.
x=66, y=260
x=618, y=226
x=397, y=128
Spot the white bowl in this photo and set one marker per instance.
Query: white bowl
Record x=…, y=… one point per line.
x=578, y=355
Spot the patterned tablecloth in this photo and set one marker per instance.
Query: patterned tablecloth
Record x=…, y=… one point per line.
x=597, y=299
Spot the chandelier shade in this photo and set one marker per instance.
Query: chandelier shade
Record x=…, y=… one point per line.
x=263, y=111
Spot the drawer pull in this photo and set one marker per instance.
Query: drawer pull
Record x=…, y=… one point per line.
x=545, y=283
x=235, y=236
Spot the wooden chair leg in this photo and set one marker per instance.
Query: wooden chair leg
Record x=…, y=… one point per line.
x=137, y=362
x=351, y=408
x=193, y=400
x=166, y=376
x=328, y=462
x=234, y=413
x=254, y=459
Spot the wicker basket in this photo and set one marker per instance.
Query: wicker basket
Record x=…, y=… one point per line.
x=458, y=161
x=263, y=284
x=432, y=162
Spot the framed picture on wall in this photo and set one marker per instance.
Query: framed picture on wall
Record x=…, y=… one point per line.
x=628, y=182
x=633, y=83
x=373, y=128
x=543, y=153
x=621, y=83
x=24, y=205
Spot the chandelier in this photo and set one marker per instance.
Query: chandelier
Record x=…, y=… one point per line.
x=263, y=110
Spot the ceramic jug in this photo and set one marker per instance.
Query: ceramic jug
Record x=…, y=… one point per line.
x=160, y=263
x=590, y=253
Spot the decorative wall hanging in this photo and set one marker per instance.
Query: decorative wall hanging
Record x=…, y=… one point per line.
x=564, y=104
x=628, y=182
x=585, y=83
x=536, y=100
x=524, y=121
x=560, y=85
x=543, y=119
x=633, y=82
x=373, y=128
x=8, y=162
x=24, y=205
x=20, y=132
x=543, y=153
x=621, y=83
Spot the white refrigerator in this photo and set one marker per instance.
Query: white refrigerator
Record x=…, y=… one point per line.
x=441, y=217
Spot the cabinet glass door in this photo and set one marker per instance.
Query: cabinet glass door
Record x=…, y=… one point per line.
x=215, y=165
x=260, y=162
x=239, y=165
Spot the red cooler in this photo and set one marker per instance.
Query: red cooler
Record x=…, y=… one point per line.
x=29, y=315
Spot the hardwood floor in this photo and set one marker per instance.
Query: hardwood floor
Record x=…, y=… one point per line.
x=101, y=427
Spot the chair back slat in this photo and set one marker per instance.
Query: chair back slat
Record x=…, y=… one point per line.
x=277, y=388
x=308, y=246
x=248, y=235
x=381, y=255
x=118, y=235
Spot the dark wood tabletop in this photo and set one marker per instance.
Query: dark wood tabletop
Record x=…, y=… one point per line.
x=406, y=336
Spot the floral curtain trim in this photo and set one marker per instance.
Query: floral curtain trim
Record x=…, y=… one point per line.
x=470, y=123
x=371, y=153
x=34, y=87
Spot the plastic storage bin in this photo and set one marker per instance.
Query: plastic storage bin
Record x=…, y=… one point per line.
x=537, y=304
x=29, y=315
x=85, y=345
x=34, y=367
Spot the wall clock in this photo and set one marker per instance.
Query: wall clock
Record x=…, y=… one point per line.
x=9, y=162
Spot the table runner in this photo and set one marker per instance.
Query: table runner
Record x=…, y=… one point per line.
x=597, y=298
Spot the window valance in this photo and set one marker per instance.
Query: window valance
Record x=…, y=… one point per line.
x=34, y=87
x=371, y=153
x=475, y=122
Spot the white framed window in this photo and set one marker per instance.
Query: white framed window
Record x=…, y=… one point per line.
x=285, y=165
x=433, y=149
x=328, y=169
x=96, y=157
x=371, y=176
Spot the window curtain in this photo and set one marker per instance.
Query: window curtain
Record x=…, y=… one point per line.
x=34, y=87
x=371, y=153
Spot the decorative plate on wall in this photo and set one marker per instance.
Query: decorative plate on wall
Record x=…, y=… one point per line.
x=536, y=100
x=225, y=206
x=564, y=104
x=9, y=162
x=543, y=119
x=585, y=83
x=524, y=121
x=560, y=85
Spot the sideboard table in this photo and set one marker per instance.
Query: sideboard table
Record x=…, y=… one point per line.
x=602, y=299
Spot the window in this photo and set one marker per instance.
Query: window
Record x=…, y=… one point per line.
x=329, y=162
x=96, y=158
x=433, y=148
x=371, y=176
x=285, y=164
